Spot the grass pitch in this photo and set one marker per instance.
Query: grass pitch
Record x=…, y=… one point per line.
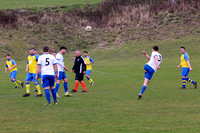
x=111, y=104
x=15, y=4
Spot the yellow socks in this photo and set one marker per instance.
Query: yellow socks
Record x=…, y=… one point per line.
x=27, y=88
x=38, y=89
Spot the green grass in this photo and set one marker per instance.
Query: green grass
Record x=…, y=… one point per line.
x=15, y=4
x=111, y=104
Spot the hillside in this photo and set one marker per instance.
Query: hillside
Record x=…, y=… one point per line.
x=114, y=23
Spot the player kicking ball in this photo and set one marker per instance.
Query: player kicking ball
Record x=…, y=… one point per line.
x=186, y=68
x=150, y=67
x=12, y=66
x=46, y=64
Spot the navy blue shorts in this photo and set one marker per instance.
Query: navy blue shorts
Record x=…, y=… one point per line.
x=48, y=80
x=149, y=72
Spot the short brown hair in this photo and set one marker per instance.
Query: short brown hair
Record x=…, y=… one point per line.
x=46, y=49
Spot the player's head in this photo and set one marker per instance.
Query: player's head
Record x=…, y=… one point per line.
x=46, y=49
x=63, y=50
x=85, y=53
x=31, y=51
x=35, y=51
x=78, y=53
x=8, y=56
x=183, y=50
x=54, y=53
x=155, y=48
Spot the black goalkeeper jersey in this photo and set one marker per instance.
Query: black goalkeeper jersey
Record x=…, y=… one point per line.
x=79, y=65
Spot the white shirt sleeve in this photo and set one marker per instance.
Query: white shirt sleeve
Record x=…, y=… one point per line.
x=39, y=61
x=54, y=61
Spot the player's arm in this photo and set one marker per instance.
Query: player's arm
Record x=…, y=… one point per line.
x=66, y=69
x=38, y=71
x=91, y=61
x=56, y=69
x=6, y=69
x=27, y=66
x=179, y=65
x=146, y=55
x=13, y=67
x=156, y=61
x=73, y=58
x=14, y=63
x=84, y=66
x=188, y=62
x=73, y=67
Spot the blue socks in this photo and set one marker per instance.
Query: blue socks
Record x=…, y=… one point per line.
x=143, y=89
x=190, y=80
x=57, y=87
x=184, y=82
x=53, y=91
x=65, y=86
x=48, y=97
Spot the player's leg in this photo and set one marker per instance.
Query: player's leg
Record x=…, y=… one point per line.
x=37, y=85
x=39, y=76
x=18, y=81
x=58, y=81
x=76, y=83
x=183, y=77
x=190, y=80
x=13, y=78
x=53, y=91
x=80, y=78
x=28, y=78
x=148, y=75
x=89, y=78
x=76, y=86
x=64, y=77
x=46, y=86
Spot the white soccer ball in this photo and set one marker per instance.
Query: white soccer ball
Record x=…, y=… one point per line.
x=88, y=28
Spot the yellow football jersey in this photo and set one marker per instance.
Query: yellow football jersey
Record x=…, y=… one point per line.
x=88, y=59
x=10, y=63
x=184, y=59
x=32, y=63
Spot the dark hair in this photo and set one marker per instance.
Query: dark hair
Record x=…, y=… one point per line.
x=183, y=47
x=63, y=47
x=8, y=55
x=85, y=52
x=155, y=48
x=46, y=49
x=35, y=49
x=31, y=49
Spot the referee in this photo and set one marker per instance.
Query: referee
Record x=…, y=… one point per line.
x=79, y=69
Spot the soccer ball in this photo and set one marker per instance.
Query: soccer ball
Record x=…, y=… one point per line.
x=88, y=28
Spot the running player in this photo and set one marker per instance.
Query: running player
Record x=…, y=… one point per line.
x=89, y=63
x=79, y=69
x=150, y=67
x=186, y=68
x=46, y=64
x=12, y=66
x=31, y=69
